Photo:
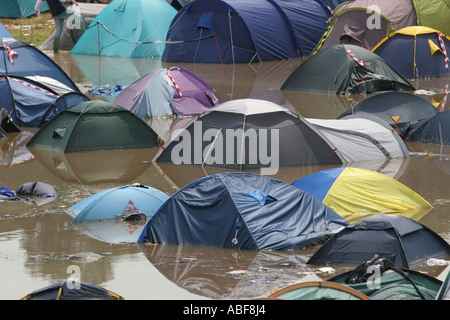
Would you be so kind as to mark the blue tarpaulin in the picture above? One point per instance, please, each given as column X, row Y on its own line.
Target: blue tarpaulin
column 217, row 211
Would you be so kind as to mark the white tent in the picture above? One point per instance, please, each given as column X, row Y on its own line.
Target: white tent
column 360, row 139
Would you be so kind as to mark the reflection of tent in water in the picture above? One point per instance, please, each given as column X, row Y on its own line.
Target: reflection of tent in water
column 127, row 29
column 167, row 92
column 112, row 231
column 7, row 124
column 318, row 290
column 230, row 130
column 416, row 52
column 395, row 108
column 68, row 290
column 401, row 240
column 356, row 193
column 232, row 32
column 241, row 210
column 218, row 273
column 434, row 130
column 394, row 283
column 359, row 139
column 95, row 167
column 346, row 69
column 110, row 204
column 13, row 150
column 94, row 125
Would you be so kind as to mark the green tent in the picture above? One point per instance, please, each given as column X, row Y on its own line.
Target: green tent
column 434, row 14
column 94, row 125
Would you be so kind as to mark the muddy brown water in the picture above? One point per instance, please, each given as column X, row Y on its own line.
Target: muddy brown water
column 40, row 246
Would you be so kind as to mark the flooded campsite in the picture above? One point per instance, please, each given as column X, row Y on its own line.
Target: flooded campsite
column 45, row 240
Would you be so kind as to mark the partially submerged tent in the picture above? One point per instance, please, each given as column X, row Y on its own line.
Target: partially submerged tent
column 110, row 204
column 362, row 138
column 395, row 108
column 224, row 31
column 32, row 102
column 19, row 8
column 243, row 211
column 434, row 130
column 127, row 28
column 357, row 193
column 18, row 58
column 168, row 92
column 390, row 283
column 37, row 193
column 318, row 290
column 7, row 124
column 249, row 134
column 346, row 69
column 72, row 290
column 94, row 125
column 416, row 52
column 402, row 241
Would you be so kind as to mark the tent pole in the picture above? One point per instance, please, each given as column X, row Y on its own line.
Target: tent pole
column 99, row 56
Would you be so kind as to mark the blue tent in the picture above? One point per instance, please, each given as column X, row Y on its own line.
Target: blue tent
column 110, row 204
column 416, row 52
column 128, row 29
column 4, row 33
column 244, row 31
column 243, row 211
column 22, row 59
column 434, row 130
column 19, row 8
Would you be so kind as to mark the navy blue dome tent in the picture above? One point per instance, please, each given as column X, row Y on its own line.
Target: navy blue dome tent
column 32, row 86
column 242, row 211
column 245, row 31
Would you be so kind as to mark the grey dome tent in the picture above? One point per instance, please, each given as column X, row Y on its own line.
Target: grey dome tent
column 248, row 134
column 346, row 69
column 242, row 211
column 395, row 108
column 401, row 240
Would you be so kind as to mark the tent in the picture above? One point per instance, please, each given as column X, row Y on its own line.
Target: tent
column 434, row 14
column 366, row 22
column 416, row 52
column 380, row 280
column 19, row 8
column 224, row 31
column 18, row 58
column 357, row 193
column 362, row 138
column 444, row 291
column 402, row 241
column 346, row 69
column 37, row 192
column 31, row 103
column 72, row 290
column 394, row 107
column 110, row 204
column 167, row 92
column 6, row 123
column 248, row 134
column 318, row 290
column 4, row 33
column 434, row 130
column 128, row 29
column 94, row 125
column 243, row 211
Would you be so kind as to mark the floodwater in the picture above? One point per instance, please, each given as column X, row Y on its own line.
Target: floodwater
column 40, row 246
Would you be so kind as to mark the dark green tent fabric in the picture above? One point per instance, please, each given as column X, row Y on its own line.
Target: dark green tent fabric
column 94, row 125
column 346, row 69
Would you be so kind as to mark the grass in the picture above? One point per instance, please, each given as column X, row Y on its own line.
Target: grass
column 42, row 27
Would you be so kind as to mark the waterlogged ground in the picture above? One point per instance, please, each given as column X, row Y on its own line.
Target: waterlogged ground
column 40, row 246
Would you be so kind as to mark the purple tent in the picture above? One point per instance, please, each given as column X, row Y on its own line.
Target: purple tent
column 167, row 92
